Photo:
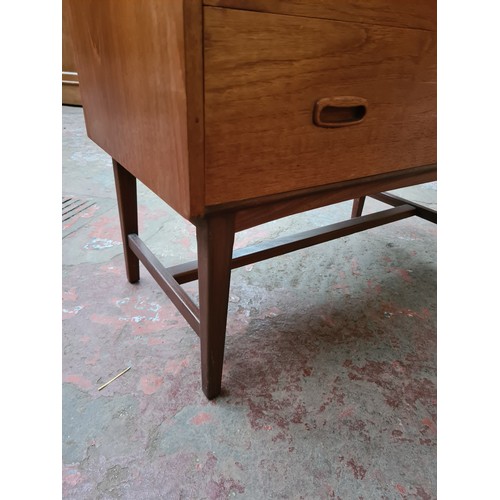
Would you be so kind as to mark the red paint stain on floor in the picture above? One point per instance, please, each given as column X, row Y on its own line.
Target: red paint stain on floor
column 115, row 270
column 70, row 294
column 94, row 359
column 155, row 341
column 430, row 424
column 175, row 366
column 201, row 418
column 404, row 273
column 348, row 412
column 186, row 242
column 224, row 488
column 78, row 380
column 149, row 384
column 355, row 267
column 106, row 228
column 358, row 471
column 374, row 287
column 328, row 320
column 395, row 388
column 401, row 489
column 87, row 214
column 71, row 477
column 101, row 319
column 421, row 493
column 338, row 396
column 249, row 237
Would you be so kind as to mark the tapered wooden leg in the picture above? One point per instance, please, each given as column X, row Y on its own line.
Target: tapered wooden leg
column 215, row 235
column 357, row 207
column 126, row 193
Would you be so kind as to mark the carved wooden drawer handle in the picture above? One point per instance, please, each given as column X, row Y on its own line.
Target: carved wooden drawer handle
column 339, row 111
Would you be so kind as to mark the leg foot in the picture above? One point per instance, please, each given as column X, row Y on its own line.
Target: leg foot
column 215, row 235
column 126, row 193
column 357, row 207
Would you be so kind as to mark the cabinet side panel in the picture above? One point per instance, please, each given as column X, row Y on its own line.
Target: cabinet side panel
column 131, row 64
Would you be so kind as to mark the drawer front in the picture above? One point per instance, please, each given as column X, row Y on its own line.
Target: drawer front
column 402, row 13
column 294, row 103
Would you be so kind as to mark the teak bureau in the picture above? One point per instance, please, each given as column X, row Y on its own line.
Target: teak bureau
column 238, row 112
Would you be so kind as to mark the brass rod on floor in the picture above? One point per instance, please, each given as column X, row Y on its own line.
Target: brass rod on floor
column 114, row 378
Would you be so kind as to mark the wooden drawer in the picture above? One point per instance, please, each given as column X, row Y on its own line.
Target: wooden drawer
column 400, row 13
column 264, row 72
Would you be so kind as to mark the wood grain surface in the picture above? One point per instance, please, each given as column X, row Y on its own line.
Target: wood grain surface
column 265, row 72
column 132, row 58
column 402, row 13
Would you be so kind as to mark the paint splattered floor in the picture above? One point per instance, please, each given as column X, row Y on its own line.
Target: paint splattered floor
column 330, row 366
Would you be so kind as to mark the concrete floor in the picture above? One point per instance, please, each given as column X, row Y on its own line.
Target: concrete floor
column 330, row 367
